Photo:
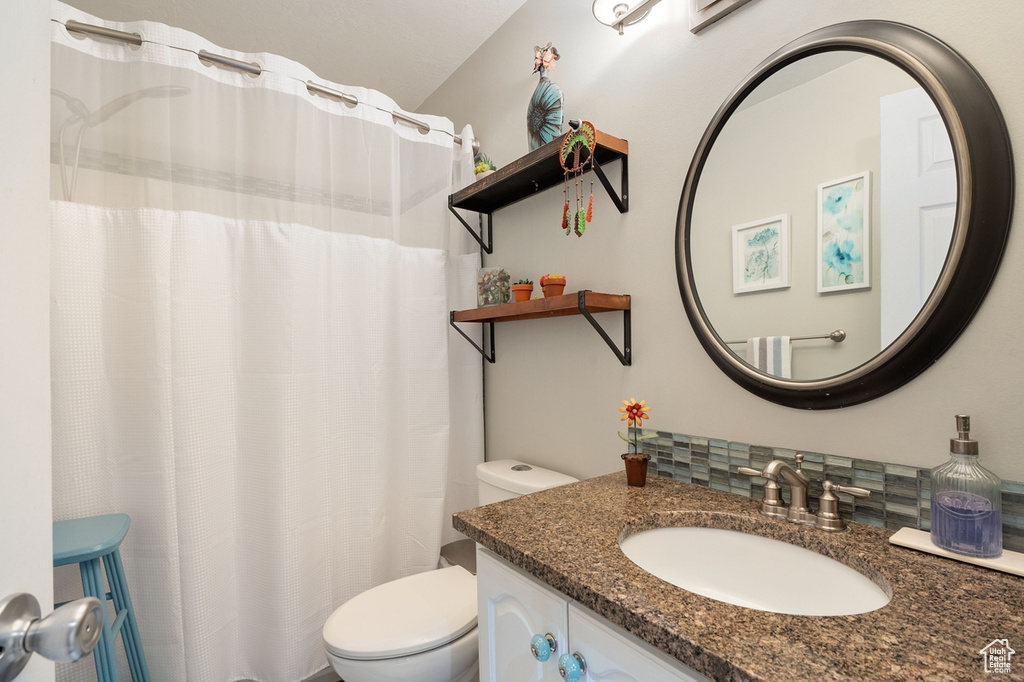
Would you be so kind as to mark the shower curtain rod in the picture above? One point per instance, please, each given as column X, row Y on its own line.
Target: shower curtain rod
column 256, row 70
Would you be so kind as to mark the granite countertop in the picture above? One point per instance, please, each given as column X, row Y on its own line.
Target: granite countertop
column 942, row 612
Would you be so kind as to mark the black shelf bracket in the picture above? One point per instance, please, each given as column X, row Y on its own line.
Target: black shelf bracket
column 488, row 247
column 625, row 356
column 621, row 203
column 489, row 334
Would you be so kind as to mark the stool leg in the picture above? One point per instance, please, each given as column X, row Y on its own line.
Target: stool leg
column 129, row 628
column 92, row 585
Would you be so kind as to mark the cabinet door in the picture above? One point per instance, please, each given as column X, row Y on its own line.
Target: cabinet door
column 513, row 608
column 613, row 655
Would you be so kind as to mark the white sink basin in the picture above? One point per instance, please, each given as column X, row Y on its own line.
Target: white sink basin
column 753, row 571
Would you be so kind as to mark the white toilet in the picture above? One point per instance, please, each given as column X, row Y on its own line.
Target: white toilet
column 423, row 627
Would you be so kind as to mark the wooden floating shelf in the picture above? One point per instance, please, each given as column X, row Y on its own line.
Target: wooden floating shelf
column 584, row 302
column 527, row 175
column 533, row 173
column 555, row 306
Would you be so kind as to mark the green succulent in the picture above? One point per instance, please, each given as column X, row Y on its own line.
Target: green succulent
column 482, row 163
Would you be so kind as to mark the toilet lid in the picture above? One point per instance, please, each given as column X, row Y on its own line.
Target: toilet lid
column 404, row 617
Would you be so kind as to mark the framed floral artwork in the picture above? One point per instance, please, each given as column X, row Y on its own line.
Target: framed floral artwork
column 760, row 255
column 844, row 233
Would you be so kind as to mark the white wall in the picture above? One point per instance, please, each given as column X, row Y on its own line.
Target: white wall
column 552, row 396
column 26, row 554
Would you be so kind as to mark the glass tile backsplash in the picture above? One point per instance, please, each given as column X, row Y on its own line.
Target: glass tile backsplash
column 900, row 495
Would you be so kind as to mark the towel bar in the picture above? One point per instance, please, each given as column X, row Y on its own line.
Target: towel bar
column 838, row 336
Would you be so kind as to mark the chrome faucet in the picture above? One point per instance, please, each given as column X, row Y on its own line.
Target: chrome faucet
column 773, row 505
column 827, row 517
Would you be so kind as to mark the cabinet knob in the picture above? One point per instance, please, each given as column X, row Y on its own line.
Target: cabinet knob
column 542, row 646
column 572, row 666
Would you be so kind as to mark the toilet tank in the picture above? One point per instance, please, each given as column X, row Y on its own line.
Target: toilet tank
column 504, row 479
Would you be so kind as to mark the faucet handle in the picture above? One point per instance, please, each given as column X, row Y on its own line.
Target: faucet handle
column 848, row 489
column 772, row 504
column 828, row 505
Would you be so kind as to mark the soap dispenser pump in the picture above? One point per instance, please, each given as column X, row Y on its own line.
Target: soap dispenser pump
column 966, row 500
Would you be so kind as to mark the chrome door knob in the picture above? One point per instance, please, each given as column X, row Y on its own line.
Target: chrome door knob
column 69, row 633
column 66, row 635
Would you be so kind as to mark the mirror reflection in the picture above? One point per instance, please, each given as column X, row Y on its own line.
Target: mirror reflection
column 827, row 202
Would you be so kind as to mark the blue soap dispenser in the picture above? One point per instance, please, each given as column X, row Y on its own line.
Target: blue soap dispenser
column 966, row 500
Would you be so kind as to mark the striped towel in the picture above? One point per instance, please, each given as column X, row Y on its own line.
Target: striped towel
column 770, row 354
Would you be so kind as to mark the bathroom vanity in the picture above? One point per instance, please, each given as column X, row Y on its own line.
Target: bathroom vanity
column 554, row 556
column 515, row 608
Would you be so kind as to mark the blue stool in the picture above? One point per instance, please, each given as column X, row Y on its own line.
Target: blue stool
column 84, row 542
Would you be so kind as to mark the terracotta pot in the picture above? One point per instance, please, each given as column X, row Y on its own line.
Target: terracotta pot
column 521, row 292
column 553, row 287
column 636, row 468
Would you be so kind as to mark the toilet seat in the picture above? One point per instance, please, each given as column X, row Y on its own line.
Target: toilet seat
column 405, row 616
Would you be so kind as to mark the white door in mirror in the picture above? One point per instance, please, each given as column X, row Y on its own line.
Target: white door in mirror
column 918, row 195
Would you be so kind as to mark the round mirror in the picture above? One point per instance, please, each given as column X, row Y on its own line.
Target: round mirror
column 844, row 215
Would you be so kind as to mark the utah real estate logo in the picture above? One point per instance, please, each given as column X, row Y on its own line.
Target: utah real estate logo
column 997, row 656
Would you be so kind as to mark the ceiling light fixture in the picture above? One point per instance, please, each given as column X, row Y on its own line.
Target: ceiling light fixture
column 620, row 13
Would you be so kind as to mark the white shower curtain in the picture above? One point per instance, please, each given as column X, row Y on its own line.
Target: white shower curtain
column 250, row 347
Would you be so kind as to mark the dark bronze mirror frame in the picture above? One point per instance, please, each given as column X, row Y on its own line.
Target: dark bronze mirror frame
column 985, row 190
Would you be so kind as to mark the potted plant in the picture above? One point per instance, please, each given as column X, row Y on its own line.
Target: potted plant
column 482, row 166
column 522, row 290
column 636, row 462
column 552, row 284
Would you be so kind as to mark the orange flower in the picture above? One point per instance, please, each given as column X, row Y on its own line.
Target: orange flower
column 635, row 412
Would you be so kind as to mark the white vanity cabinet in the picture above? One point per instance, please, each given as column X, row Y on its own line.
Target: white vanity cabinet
column 515, row 606
column 512, row 609
column 614, row 655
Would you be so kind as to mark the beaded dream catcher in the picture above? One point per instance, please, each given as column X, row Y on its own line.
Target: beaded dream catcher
column 576, row 153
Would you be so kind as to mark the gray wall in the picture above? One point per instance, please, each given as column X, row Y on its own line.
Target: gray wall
column 552, row 396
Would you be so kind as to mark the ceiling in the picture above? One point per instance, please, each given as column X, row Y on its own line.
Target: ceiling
column 403, row 48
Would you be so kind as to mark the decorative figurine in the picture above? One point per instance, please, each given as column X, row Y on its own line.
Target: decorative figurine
column 544, row 115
